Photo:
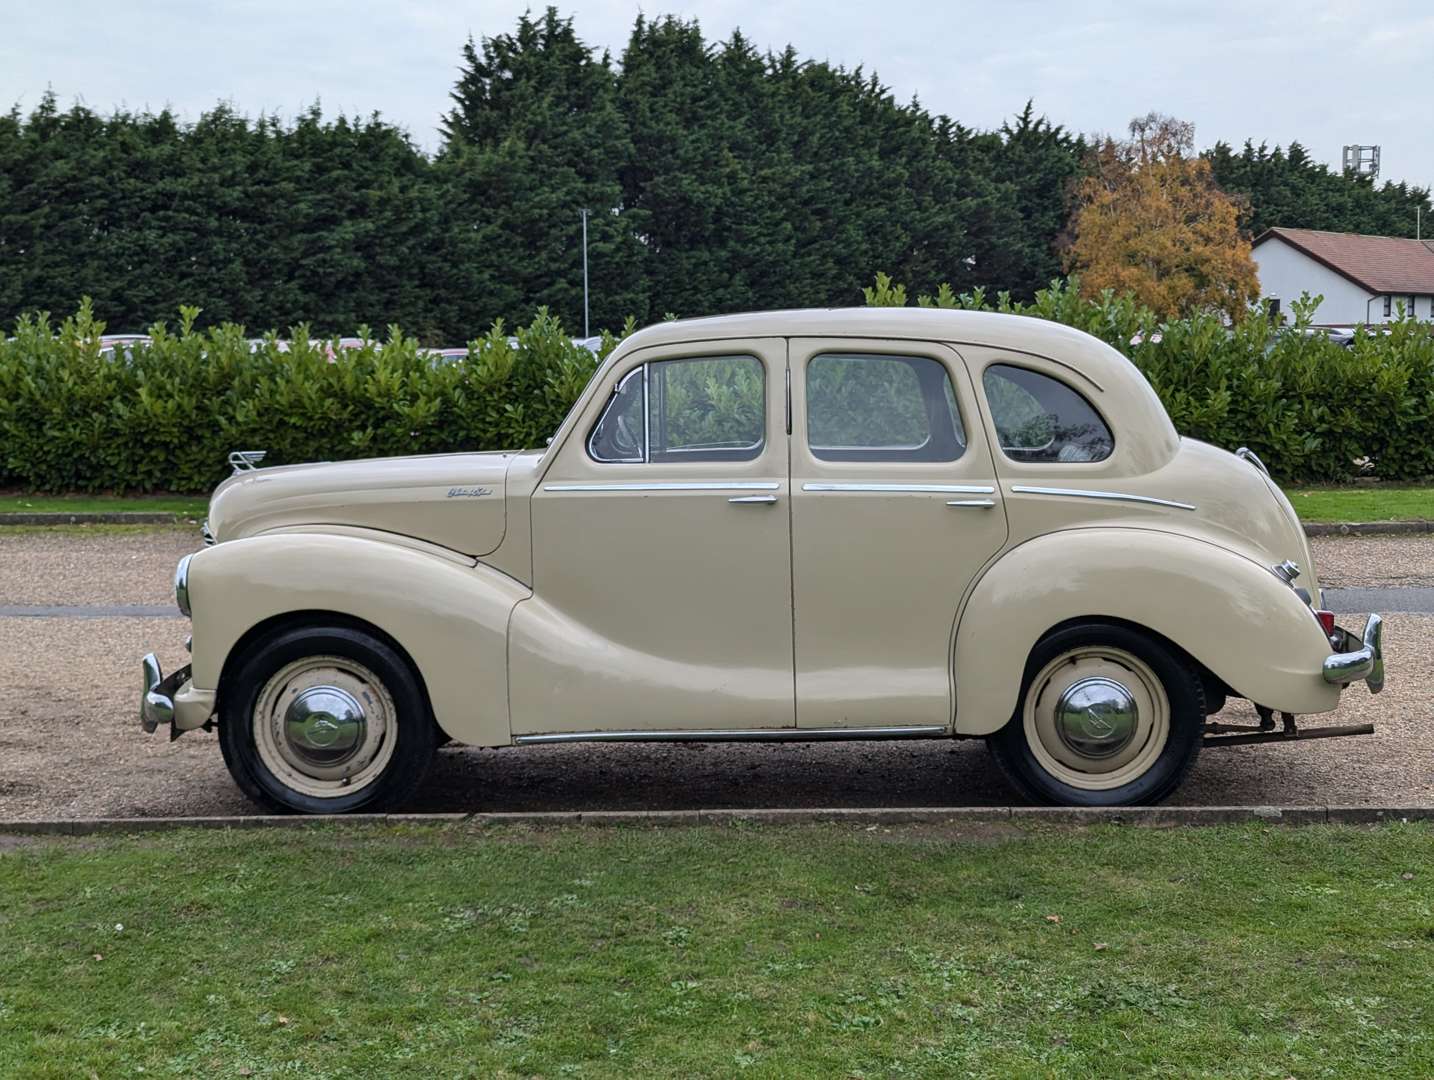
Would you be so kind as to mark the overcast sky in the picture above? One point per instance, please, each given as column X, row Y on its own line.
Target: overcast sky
column 1324, row 73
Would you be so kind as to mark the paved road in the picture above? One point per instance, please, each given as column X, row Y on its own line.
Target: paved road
column 1414, row 600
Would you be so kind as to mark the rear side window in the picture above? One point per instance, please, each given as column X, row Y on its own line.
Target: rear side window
column 881, row 408
column 710, row 408
column 1039, row 418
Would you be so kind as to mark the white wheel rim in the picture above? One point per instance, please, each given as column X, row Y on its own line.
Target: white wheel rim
column 325, row 726
column 1096, row 718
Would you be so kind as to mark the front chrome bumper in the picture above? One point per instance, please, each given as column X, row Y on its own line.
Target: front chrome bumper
column 174, row 700
column 156, row 705
column 1363, row 660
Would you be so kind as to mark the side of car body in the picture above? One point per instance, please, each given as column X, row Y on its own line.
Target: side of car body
column 804, row 524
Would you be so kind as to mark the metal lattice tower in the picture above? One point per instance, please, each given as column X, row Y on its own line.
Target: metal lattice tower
column 1362, row 161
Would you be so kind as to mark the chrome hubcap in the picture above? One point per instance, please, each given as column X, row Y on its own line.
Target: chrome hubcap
column 1096, row 717
column 325, row 725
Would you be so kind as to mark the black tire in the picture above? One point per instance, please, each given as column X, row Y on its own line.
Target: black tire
column 415, row 735
column 1184, row 695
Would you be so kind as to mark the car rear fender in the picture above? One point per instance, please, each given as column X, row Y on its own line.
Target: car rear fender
column 1227, row 611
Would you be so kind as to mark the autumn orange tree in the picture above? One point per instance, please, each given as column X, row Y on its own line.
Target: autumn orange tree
column 1151, row 221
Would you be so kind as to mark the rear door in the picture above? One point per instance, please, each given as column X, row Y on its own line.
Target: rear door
column 895, row 508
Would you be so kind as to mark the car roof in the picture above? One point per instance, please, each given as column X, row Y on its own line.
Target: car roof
column 1020, row 333
column 983, row 327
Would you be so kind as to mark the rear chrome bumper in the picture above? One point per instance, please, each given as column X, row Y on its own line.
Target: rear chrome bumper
column 1364, row 660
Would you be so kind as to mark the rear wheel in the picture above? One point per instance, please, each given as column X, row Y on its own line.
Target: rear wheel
column 325, row 720
column 1108, row 716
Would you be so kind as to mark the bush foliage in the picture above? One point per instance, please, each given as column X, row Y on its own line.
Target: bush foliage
column 164, row 415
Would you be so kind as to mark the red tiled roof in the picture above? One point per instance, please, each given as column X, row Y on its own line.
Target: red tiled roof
column 1381, row 264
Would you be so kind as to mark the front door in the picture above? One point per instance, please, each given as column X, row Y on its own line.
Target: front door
column 895, row 508
column 662, row 590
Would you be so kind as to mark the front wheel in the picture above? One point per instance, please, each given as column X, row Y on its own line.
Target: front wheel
column 325, row 720
column 1108, row 716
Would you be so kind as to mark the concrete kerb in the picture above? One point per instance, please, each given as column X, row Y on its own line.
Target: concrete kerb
column 1062, row 816
column 1368, row 528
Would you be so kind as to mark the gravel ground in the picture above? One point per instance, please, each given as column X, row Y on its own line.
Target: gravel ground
column 1374, row 561
column 70, row 744
column 92, row 564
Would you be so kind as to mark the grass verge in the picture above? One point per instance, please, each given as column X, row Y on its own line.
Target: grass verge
column 192, row 506
column 769, row 952
column 1347, row 505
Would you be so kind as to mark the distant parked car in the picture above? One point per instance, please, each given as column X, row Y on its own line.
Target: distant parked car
column 448, row 355
column 113, row 344
column 855, row 524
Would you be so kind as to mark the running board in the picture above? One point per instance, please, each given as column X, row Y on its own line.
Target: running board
column 791, row 734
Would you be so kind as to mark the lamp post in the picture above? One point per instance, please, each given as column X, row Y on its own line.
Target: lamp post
column 586, row 332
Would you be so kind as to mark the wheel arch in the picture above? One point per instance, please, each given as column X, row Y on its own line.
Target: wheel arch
column 1214, row 686
column 1245, row 631
column 317, row 617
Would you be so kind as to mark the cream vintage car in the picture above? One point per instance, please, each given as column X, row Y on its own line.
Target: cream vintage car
column 843, row 524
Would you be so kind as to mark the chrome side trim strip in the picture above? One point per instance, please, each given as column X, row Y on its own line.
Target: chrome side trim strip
column 676, row 485
column 958, row 489
column 1118, row 496
column 793, row 734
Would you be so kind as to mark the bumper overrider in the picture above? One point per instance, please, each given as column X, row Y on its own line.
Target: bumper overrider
column 174, row 700
column 1362, row 657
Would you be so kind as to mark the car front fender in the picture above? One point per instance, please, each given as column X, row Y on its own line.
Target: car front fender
column 1227, row 611
column 449, row 615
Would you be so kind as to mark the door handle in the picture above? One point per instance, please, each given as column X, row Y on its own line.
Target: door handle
column 753, row 500
column 980, row 504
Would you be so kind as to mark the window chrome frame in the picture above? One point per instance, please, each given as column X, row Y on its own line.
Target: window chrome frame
column 617, row 390
column 1006, row 451
column 887, row 453
column 754, row 450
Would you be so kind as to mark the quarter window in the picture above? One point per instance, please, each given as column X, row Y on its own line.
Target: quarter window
column 1039, row 418
column 710, row 408
column 881, row 408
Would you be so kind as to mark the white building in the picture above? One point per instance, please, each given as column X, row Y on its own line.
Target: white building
column 1363, row 279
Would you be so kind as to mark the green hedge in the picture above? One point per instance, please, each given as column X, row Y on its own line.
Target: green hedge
column 165, row 416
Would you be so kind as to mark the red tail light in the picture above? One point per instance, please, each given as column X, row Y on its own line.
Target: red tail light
column 1326, row 620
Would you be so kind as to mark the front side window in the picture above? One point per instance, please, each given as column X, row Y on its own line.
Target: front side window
column 710, row 408
column 1039, row 418
column 881, row 408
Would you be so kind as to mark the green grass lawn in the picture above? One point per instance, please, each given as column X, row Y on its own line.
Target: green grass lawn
column 1363, row 503
column 828, row 951
column 192, row 506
